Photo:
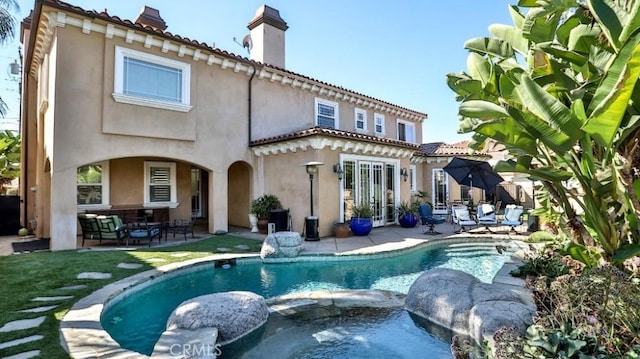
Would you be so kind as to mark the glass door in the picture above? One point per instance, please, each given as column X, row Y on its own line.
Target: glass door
column 196, row 193
column 368, row 180
column 440, row 190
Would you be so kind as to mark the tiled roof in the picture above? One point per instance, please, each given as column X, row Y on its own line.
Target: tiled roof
column 435, row 149
column 313, row 131
column 104, row 15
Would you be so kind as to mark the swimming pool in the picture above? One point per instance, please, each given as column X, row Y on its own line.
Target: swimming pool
column 136, row 319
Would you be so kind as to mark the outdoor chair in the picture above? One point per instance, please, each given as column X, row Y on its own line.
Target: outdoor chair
column 428, row 220
column 139, row 229
column 513, row 217
column 462, row 218
column 182, row 226
column 486, row 216
column 102, row 228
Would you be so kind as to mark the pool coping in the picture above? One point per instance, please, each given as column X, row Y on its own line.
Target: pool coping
column 82, row 334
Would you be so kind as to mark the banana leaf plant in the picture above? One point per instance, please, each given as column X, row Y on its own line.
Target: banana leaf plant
column 559, row 89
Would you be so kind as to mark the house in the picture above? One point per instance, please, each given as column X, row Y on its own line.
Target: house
column 124, row 114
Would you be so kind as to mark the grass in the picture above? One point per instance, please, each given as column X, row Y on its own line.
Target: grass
column 27, row 276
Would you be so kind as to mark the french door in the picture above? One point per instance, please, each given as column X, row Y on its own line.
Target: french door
column 440, row 190
column 370, row 181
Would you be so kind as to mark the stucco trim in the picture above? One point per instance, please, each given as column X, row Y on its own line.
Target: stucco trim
column 131, row 100
column 342, row 145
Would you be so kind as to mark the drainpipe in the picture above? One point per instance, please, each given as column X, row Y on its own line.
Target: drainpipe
column 249, row 103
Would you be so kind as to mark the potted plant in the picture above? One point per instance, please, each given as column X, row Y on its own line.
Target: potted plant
column 407, row 214
column 341, row 230
column 261, row 207
column 361, row 219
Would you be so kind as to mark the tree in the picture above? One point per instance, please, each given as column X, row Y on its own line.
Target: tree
column 9, row 159
column 560, row 90
column 7, row 32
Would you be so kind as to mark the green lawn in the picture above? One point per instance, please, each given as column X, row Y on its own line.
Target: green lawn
column 26, row 276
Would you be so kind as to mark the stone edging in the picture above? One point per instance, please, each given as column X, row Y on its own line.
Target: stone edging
column 82, row 334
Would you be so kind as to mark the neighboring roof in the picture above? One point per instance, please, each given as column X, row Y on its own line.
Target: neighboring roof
column 104, row 15
column 441, row 149
column 313, row 131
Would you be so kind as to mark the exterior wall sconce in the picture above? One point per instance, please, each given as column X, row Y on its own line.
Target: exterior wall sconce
column 404, row 173
column 338, row 171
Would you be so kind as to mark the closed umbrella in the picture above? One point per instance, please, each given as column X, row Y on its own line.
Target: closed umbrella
column 478, row 174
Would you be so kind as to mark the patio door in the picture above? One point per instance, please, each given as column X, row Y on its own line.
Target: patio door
column 440, row 190
column 196, row 192
column 372, row 188
column 370, row 181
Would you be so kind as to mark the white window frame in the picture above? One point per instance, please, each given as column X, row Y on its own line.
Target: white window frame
column 378, row 120
column 408, row 126
column 173, row 203
column 359, row 111
column 105, row 189
column 336, row 122
column 413, row 178
column 118, row 79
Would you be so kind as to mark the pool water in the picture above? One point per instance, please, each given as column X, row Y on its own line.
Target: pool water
column 358, row 333
column 137, row 320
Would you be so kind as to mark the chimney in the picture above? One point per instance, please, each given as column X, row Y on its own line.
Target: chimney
column 151, row 17
column 267, row 37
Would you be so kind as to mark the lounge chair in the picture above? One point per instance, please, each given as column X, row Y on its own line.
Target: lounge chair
column 486, row 216
column 102, row 228
column 428, row 220
column 512, row 217
column 462, row 218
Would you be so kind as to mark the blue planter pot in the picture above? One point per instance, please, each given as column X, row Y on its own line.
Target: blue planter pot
column 361, row 226
column 408, row 220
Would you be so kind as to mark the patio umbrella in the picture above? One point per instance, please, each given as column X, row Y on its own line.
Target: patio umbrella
column 473, row 173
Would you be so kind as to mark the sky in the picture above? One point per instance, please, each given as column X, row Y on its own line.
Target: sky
column 398, row 51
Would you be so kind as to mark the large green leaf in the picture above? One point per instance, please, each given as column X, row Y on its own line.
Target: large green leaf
column 479, row 68
column 625, row 252
column 507, row 132
column 548, row 108
column 618, row 21
column 538, row 26
column 582, row 254
column 485, row 45
column 516, row 16
column 582, row 37
column 511, row 35
column 611, row 100
column 564, row 54
column 564, row 30
column 537, row 128
column 482, row 110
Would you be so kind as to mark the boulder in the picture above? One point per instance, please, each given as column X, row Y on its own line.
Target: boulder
column 212, row 320
column 460, row 302
column 281, row 245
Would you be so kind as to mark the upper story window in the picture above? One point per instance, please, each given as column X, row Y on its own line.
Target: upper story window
column 361, row 119
column 160, row 184
column 378, row 119
column 326, row 113
column 93, row 185
column 406, row 131
column 149, row 80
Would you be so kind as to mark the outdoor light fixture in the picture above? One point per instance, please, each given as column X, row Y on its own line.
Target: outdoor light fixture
column 338, row 170
column 404, row 174
column 311, row 222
